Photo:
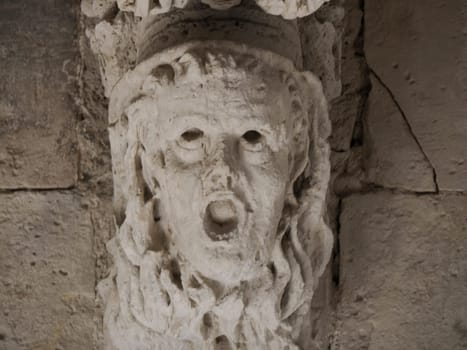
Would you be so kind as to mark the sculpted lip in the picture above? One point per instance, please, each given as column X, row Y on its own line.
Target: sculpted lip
column 222, row 218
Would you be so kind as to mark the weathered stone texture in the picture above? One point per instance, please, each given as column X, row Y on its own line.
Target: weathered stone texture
column 288, row 9
column 321, row 38
column 417, row 48
column 95, row 172
column 38, row 62
column 47, row 275
column 343, row 83
column 394, row 159
column 345, row 110
column 403, row 272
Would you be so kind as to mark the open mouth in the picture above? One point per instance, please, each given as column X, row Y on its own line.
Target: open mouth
column 221, row 220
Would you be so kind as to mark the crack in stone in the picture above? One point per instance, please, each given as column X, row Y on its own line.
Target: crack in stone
column 336, row 263
column 409, row 126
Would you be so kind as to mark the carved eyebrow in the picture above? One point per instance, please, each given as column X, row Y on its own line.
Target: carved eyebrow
column 190, row 118
column 138, row 102
column 253, row 122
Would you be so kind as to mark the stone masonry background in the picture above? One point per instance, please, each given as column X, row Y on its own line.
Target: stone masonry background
column 398, row 204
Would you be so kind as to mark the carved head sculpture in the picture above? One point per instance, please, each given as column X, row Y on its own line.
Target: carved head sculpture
column 221, row 167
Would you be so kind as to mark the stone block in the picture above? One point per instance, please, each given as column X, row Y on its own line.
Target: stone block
column 38, row 60
column 47, row 276
column 395, row 160
column 403, row 273
column 418, row 49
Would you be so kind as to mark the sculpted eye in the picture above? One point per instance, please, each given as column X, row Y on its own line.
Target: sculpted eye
column 191, row 139
column 252, row 141
column 252, row 136
column 192, row 135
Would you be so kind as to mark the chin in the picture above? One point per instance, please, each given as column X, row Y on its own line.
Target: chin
column 225, row 260
column 230, row 270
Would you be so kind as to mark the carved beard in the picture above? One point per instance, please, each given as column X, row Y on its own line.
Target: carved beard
column 155, row 300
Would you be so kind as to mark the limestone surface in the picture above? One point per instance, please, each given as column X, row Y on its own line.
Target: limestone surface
column 321, row 41
column 394, row 159
column 417, row 48
column 47, row 275
column 38, row 60
column 403, row 272
column 346, row 110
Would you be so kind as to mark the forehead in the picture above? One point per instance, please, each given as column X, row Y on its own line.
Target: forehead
column 227, row 100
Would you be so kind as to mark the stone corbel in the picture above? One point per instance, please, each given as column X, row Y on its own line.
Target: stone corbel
column 221, row 166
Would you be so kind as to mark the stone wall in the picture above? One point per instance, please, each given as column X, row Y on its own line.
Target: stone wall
column 398, row 203
column 55, row 180
column 403, row 247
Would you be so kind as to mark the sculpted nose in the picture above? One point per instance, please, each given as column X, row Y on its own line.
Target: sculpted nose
column 221, row 175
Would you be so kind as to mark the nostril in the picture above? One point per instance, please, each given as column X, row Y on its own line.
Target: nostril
column 221, row 175
column 217, row 177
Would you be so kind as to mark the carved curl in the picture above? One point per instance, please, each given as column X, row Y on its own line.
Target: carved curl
column 288, row 9
column 156, row 296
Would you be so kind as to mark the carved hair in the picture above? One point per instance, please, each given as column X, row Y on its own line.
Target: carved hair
column 154, row 300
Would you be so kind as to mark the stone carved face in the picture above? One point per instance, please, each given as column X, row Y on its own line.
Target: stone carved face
column 222, row 165
column 226, row 150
